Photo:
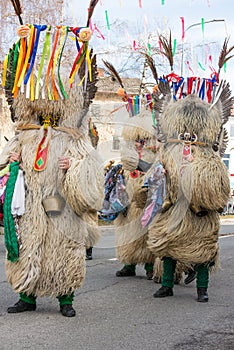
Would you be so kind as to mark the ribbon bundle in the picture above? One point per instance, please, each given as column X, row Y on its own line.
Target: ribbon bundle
column 134, row 105
column 181, row 87
column 35, row 60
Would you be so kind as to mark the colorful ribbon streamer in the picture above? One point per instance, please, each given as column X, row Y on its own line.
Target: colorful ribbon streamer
column 203, row 26
column 200, row 65
column 107, row 20
column 174, row 48
column 183, row 32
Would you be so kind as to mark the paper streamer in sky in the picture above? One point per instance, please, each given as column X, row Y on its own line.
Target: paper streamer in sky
column 174, row 48
column 149, row 49
column 182, row 22
column 163, row 2
column 100, row 35
column 107, row 20
column 203, row 26
column 200, row 65
column 225, row 67
column 140, row 4
column 189, row 67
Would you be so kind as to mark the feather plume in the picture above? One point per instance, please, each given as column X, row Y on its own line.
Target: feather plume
column 162, row 97
column 223, row 100
column 150, row 62
column 10, row 77
column 18, row 9
column 113, row 72
column 91, row 8
column 91, row 88
column 223, row 57
column 167, row 48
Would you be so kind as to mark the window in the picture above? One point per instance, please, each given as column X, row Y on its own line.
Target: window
column 116, row 143
column 232, row 131
column 226, row 159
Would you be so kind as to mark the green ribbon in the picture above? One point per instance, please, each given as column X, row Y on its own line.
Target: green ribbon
column 10, row 237
column 203, row 26
column 174, row 48
column 15, row 60
column 45, row 54
column 59, row 63
column 225, row 67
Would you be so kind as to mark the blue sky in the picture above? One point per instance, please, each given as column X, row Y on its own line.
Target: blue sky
column 128, row 22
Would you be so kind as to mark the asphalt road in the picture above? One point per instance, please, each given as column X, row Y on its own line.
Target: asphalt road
column 120, row 313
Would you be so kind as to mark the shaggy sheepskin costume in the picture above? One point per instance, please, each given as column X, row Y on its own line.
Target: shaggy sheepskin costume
column 197, row 182
column 131, row 238
column 51, row 259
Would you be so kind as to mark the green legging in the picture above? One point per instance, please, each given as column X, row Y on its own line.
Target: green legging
column 148, row 267
column 169, row 266
column 63, row 299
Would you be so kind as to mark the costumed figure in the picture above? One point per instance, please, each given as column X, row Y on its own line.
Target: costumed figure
column 55, row 184
column 92, row 238
column 136, row 158
column 190, row 125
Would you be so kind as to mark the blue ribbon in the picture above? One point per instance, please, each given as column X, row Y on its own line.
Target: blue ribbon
column 33, row 56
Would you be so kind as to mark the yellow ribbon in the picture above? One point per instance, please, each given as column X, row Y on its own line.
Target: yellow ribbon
column 89, row 63
column 45, row 55
column 58, row 52
column 74, row 72
column 27, row 56
column 19, row 65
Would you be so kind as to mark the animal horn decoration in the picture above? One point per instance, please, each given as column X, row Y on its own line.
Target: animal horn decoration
column 18, row 9
column 91, row 8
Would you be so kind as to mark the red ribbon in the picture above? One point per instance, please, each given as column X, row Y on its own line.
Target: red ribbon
column 183, row 33
column 41, row 157
column 172, row 77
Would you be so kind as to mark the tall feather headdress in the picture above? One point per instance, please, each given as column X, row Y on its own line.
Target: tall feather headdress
column 91, row 8
column 113, row 72
column 150, row 62
column 18, row 9
column 167, row 48
column 223, row 57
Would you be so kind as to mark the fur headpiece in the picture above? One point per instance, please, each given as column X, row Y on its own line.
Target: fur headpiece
column 208, row 98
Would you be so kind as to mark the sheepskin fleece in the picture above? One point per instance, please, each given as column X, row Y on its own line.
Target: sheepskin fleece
column 131, row 238
column 202, row 182
column 138, row 126
column 191, row 241
column 52, row 257
column 94, row 233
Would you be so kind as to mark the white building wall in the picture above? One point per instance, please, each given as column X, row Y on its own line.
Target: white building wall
column 229, row 153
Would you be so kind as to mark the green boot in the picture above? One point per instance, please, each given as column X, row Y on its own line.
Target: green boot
column 65, row 302
column 169, row 266
column 127, row 270
column 25, row 303
column 202, row 282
